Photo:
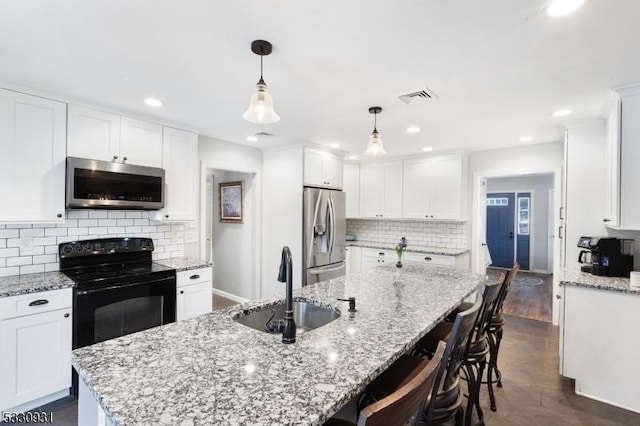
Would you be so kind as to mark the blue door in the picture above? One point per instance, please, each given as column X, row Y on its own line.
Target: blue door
column 500, row 227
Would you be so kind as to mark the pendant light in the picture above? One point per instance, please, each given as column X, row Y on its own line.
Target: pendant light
column 261, row 105
column 375, row 147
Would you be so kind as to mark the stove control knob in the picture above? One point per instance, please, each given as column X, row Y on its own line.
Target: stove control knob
column 138, row 243
column 67, row 249
column 87, row 246
column 148, row 244
column 78, row 248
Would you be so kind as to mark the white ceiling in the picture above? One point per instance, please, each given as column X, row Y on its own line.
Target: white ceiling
column 499, row 67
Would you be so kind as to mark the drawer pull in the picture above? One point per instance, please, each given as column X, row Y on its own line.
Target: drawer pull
column 194, row 277
column 381, row 254
column 39, row 302
column 428, row 259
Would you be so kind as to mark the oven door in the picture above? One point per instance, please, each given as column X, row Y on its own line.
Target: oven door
column 112, row 311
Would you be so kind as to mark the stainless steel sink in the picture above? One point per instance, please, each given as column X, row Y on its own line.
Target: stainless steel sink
column 307, row 315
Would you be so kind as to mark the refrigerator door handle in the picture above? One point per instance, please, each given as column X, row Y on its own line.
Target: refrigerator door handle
column 322, row 271
column 332, row 228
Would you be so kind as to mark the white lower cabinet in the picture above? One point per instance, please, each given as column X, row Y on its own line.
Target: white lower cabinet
column 375, row 257
column 35, row 349
column 433, row 259
column 193, row 293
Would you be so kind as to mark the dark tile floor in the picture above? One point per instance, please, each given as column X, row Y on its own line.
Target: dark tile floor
column 534, row 394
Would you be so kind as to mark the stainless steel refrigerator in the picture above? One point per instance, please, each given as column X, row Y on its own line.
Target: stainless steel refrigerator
column 325, row 228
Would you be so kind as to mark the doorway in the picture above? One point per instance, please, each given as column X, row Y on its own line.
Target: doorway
column 518, row 212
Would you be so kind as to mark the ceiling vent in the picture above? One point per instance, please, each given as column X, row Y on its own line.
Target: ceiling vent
column 264, row 135
column 424, row 94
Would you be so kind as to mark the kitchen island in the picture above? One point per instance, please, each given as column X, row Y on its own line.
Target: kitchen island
column 213, row 370
column 599, row 338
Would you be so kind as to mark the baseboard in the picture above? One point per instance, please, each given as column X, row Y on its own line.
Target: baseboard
column 541, row 271
column 229, row 296
column 36, row 402
column 603, row 400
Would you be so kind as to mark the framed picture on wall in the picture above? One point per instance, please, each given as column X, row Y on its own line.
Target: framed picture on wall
column 231, row 201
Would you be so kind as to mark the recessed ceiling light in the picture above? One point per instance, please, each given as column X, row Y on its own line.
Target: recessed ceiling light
column 526, row 139
column 413, row 129
column 252, row 138
column 353, row 157
column 562, row 113
column 427, row 149
column 563, row 7
column 335, row 145
column 153, row 102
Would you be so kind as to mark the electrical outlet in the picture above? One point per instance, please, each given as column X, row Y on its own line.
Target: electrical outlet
column 26, row 245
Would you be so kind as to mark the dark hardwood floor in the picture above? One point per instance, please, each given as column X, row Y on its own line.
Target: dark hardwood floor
column 530, row 296
column 220, row 302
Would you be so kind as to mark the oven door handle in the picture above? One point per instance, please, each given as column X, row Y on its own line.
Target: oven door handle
column 113, row 287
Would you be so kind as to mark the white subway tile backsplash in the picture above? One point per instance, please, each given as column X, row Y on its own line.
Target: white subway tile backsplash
column 31, row 269
column 55, row 232
column 18, row 226
column 98, row 214
column 9, row 233
column 82, row 225
column 426, row 234
column 32, row 232
column 77, row 214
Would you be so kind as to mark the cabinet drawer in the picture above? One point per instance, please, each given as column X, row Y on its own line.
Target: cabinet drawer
column 33, row 303
column 194, row 276
column 378, row 253
column 436, row 259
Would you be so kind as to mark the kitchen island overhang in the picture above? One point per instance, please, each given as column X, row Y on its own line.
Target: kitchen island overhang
column 213, row 370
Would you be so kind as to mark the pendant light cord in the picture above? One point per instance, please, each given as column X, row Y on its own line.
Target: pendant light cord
column 375, row 122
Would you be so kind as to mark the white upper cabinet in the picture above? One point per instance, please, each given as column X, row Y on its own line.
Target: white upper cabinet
column 104, row 136
column 433, row 188
column 180, row 161
column 141, row 142
column 381, row 190
column 322, row 168
column 612, row 168
column 93, row 134
column 32, row 164
column 352, row 189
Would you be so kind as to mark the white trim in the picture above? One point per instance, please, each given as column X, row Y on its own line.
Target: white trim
column 229, row 296
column 606, row 401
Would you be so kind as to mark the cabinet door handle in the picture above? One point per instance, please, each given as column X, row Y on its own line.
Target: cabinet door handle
column 115, row 157
column 39, row 302
column 66, row 315
column 558, row 296
column 194, row 277
column 181, row 291
column 166, row 215
column 560, row 231
column 562, row 213
column 59, row 215
column 124, row 159
column 428, row 259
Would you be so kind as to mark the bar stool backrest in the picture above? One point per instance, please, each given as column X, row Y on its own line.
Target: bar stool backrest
column 490, row 299
column 406, row 402
column 511, row 274
column 454, row 353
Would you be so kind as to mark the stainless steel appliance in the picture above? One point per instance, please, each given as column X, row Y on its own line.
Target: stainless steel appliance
column 118, row 291
column 324, row 232
column 104, row 184
column 606, row 256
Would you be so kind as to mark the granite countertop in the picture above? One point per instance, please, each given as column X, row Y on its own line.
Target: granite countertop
column 415, row 249
column 580, row 279
column 33, row 283
column 184, row 263
column 212, row 370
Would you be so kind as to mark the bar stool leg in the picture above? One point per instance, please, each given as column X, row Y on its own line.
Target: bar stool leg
column 493, row 353
column 498, row 373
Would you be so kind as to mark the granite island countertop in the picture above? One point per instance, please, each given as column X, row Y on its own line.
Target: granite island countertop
column 212, row 370
column 577, row 278
column 411, row 248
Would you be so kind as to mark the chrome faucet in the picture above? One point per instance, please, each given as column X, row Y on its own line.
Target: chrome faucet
column 285, row 274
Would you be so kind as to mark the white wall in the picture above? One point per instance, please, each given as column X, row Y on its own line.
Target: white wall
column 281, row 216
column 540, row 186
column 234, row 272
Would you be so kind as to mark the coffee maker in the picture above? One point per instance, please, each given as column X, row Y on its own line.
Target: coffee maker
column 606, row 256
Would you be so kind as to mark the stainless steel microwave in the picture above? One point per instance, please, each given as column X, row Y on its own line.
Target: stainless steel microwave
column 103, row 184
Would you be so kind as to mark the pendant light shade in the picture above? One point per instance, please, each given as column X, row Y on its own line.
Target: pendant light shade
column 261, row 105
column 375, row 148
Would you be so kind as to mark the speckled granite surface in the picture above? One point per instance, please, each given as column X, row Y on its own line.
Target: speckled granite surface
column 212, row 370
column 411, row 248
column 581, row 279
column 32, row 283
column 184, row 263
